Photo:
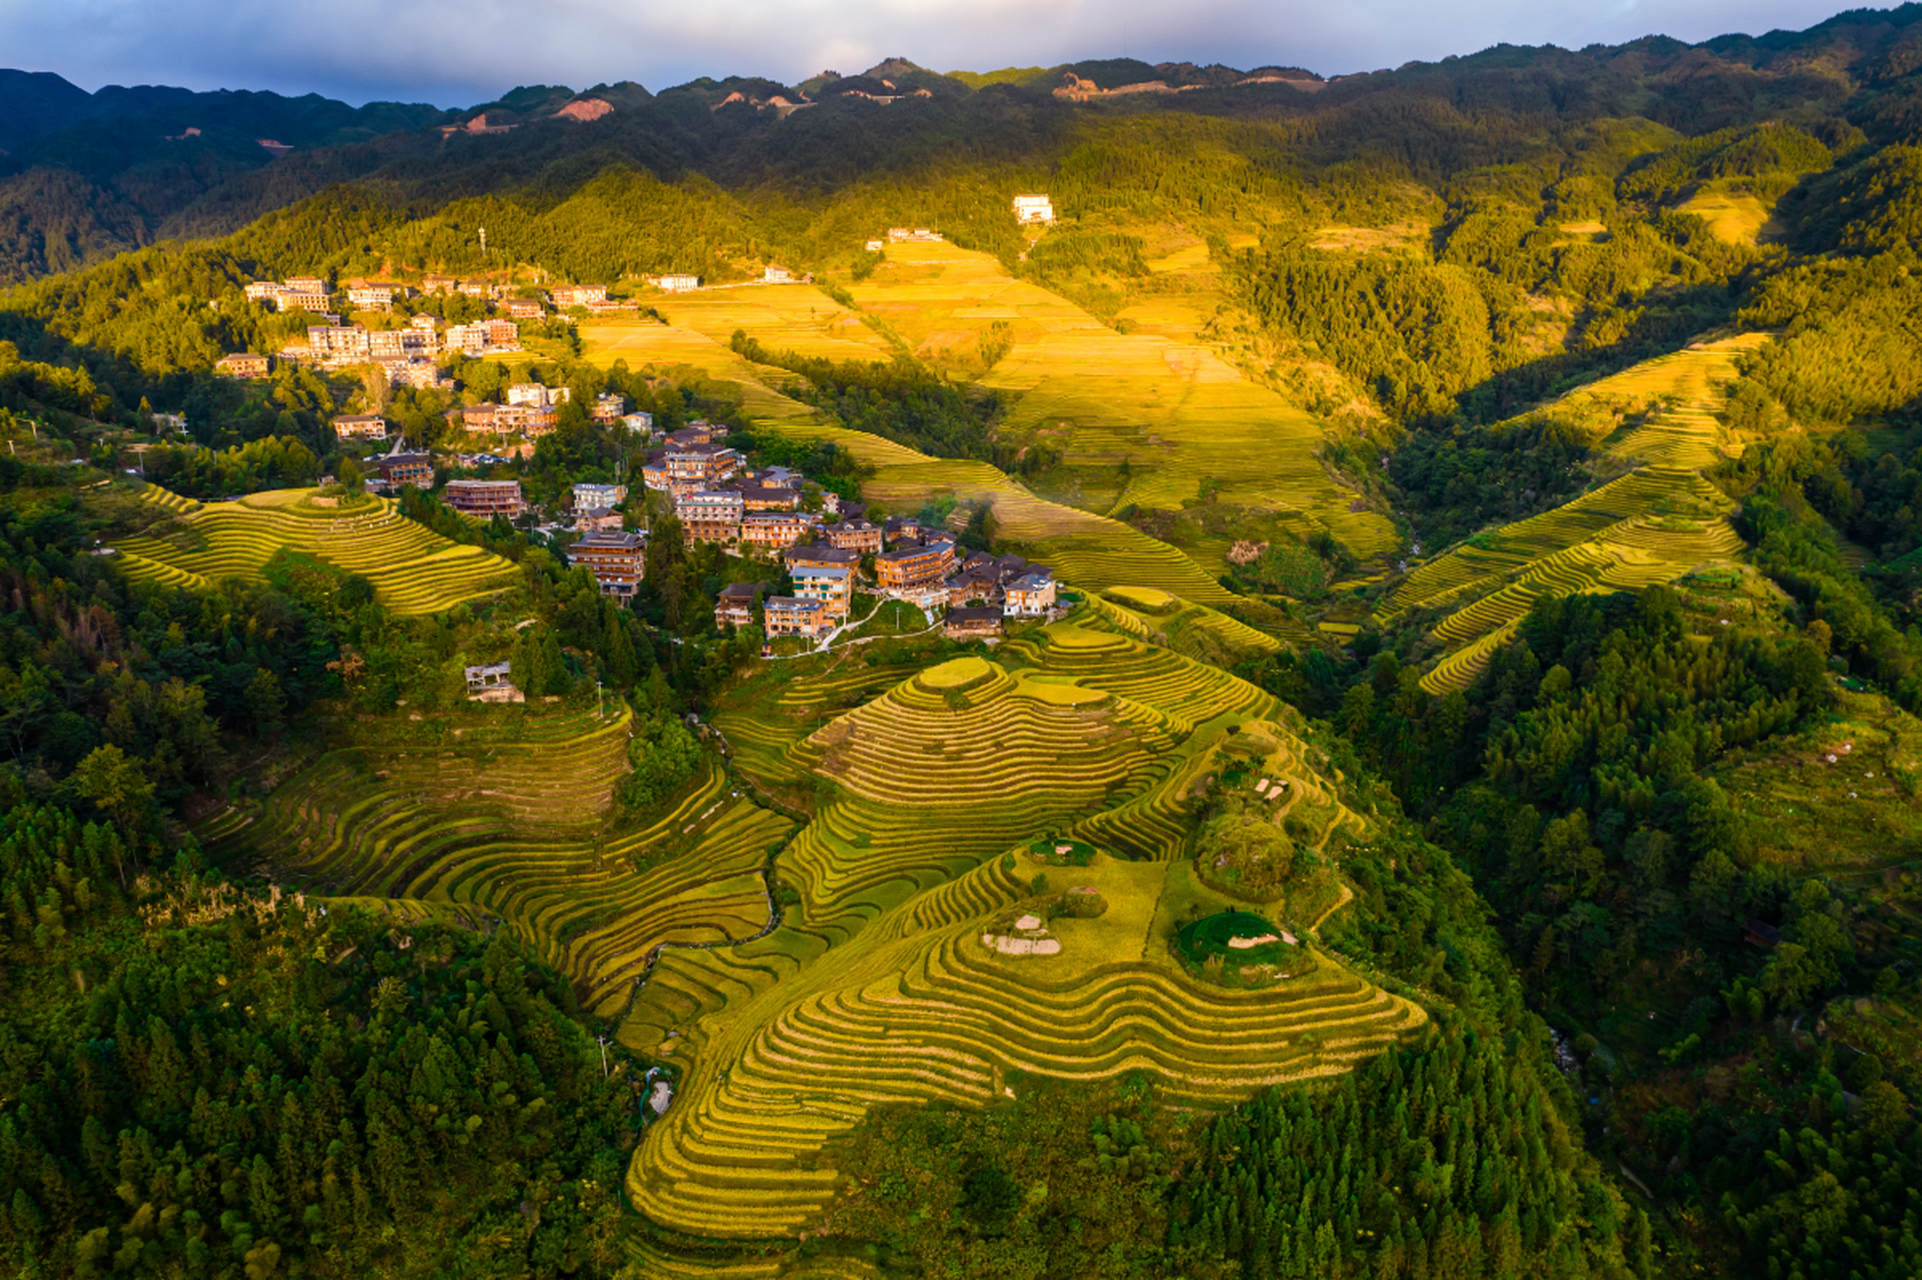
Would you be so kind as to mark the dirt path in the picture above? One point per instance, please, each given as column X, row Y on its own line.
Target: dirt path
column 1347, row 896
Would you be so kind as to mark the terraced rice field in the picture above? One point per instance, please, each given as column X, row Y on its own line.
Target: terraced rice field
column 1079, row 546
column 1653, row 525
column 916, row 1009
column 1169, row 406
column 878, row 987
column 526, row 847
column 1673, row 401
column 1197, row 631
column 413, row 569
column 795, row 317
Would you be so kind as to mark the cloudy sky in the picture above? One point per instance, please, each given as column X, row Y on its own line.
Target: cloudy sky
column 459, row 52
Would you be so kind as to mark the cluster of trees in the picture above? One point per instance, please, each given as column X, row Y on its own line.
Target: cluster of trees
column 55, row 386
column 1793, row 483
column 1850, row 337
column 1460, row 336
column 1449, row 1161
column 1299, row 571
column 1765, row 158
column 1456, row 483
column 1574, row 781
column 1569, row 779
column 91, row 663
column 213, row 1077
column 271, row 462
column 898, row 400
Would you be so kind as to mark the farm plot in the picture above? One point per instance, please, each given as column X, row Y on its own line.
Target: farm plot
column 1651, row 526
column 879, row 986
column 917, row 1008
column 413, row 569
column 1194, row 630
column 1484, row 561
column 1081, row 547
column 530, row 851
column 793, row 317
column 555, row 770
column 1170, row 407
column 1665, row 411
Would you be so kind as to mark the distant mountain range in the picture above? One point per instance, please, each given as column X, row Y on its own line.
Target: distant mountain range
column 86, row 175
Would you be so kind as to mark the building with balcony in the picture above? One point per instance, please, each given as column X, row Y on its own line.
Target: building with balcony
column 709, row 515
column 617, row 560
column 856, row 535
column 776, row 529
column 913, row 568
column 484, row 498
column 241, row 365
column 416, row 469
column 736, row 604
column 1030, row 596
column 599, row 495
column 791, row 616
column 832, row 586
column 1034, row 210
column 972, row 624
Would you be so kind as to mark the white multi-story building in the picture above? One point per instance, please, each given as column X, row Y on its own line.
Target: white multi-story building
column 589, row 496
column 334, row 344
column 1034, row 209
column 533, row 393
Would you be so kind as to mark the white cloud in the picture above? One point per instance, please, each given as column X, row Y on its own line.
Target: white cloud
column 456, row 52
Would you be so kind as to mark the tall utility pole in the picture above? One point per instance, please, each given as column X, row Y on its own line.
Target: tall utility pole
column 483, row 234
column 603, row 1040
column 600, row 708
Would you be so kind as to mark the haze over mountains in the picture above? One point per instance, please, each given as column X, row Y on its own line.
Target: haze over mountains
column 89, row 175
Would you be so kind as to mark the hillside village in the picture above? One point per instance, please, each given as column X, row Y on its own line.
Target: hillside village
column 828, row 554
